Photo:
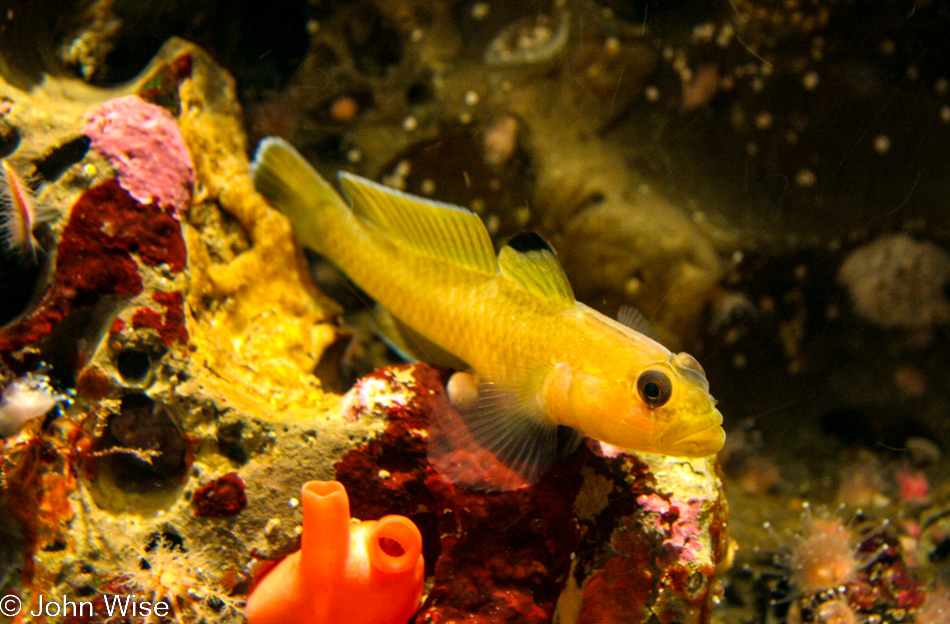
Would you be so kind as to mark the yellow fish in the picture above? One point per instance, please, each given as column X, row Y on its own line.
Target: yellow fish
column 541, row 359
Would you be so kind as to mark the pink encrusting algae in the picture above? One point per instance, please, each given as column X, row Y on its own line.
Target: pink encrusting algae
column 913, row 485
column 145, row 145
column 682, row 518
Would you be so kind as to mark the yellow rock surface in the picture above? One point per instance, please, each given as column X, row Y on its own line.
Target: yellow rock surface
column 256, row 321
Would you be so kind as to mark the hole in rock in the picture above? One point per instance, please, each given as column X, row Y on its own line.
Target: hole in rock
column 145, row 425
column 133, row 365
column 142, row 458
column 230, row 442
column 59, row 159
column 9, row 139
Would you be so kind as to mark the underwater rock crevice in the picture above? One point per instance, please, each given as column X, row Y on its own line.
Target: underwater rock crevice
column 55, row 162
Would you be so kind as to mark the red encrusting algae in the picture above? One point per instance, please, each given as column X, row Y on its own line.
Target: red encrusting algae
column 171, row 325
column 106, row 229
column 509, row 556
column 504, row 556
column 221, row 497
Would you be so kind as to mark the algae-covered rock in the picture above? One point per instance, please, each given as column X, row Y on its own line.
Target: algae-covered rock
column 179, row 306
column 179, row 310
column 653, row 541
column 602, row 537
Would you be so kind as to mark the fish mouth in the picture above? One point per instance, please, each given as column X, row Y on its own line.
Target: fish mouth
column 692, row 440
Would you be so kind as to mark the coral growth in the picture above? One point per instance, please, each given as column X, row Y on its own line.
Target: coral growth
column 836, row 611
column 826, row 555
column 843, row 574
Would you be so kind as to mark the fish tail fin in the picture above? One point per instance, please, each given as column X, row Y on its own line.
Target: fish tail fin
column 295, row 188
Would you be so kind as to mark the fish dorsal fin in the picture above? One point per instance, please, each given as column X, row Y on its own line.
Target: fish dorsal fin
column 634, row 319
column 435, row 229
column 528, row 261
column 410, row 344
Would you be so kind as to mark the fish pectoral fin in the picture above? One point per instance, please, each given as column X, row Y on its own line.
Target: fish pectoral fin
column 434, row 229
column 495, row 437
column 634, row 319
column 529, row 261
column 410, row 344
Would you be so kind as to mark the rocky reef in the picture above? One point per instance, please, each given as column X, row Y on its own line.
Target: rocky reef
column 168, row 285
column 175, row 310
column 765, row 181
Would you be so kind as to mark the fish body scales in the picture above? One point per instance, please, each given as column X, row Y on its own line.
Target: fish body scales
column 470, row 315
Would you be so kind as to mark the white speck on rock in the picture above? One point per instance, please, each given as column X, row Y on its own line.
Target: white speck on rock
column 26, row 398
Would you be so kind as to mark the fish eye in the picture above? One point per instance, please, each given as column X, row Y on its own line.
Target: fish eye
column 655, row 387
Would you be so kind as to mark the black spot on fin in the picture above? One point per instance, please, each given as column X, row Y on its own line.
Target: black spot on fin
column 530, row 263
column 529, row 241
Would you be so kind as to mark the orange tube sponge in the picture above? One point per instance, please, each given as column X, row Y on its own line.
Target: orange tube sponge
column 366, row 573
